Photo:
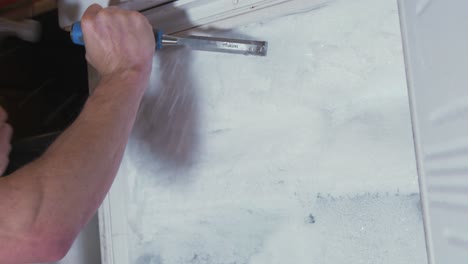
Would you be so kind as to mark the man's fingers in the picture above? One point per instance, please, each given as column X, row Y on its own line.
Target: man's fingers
column 91, row 12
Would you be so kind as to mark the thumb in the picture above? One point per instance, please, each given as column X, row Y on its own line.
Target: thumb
column 91, row 12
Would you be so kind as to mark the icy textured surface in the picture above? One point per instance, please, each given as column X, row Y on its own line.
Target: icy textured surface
column 230, row 153
column 367, row 228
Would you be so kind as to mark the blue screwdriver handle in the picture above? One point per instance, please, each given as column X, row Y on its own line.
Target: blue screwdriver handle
column 76, row 35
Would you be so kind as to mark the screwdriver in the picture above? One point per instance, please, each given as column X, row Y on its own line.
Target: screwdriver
column 225, row 45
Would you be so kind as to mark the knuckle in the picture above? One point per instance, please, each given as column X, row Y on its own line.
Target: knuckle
column 135, row 14
column 112, row 10
column 86, row 22
column 104, row 13
column 95, row 5
column 91, row 11
column 137, row 17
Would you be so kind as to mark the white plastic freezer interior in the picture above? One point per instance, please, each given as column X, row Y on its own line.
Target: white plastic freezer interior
column 302, row 156
column 435, row 41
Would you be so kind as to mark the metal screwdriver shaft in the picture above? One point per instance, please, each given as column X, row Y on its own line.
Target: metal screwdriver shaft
column 225, row 45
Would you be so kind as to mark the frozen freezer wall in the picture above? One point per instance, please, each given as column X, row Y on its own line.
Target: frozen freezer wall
column 436, row 42
column 305, row 155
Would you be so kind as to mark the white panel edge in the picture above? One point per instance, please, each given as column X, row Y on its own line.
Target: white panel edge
column 415, row 132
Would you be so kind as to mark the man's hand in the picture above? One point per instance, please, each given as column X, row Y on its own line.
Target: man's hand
column 50, row 200
column 118, row 42
column 5, row 137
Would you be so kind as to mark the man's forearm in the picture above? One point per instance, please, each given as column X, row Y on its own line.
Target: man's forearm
column 80, row 165
column 90, row 151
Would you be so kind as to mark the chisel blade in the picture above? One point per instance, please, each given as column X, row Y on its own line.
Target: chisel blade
column 214, row 44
